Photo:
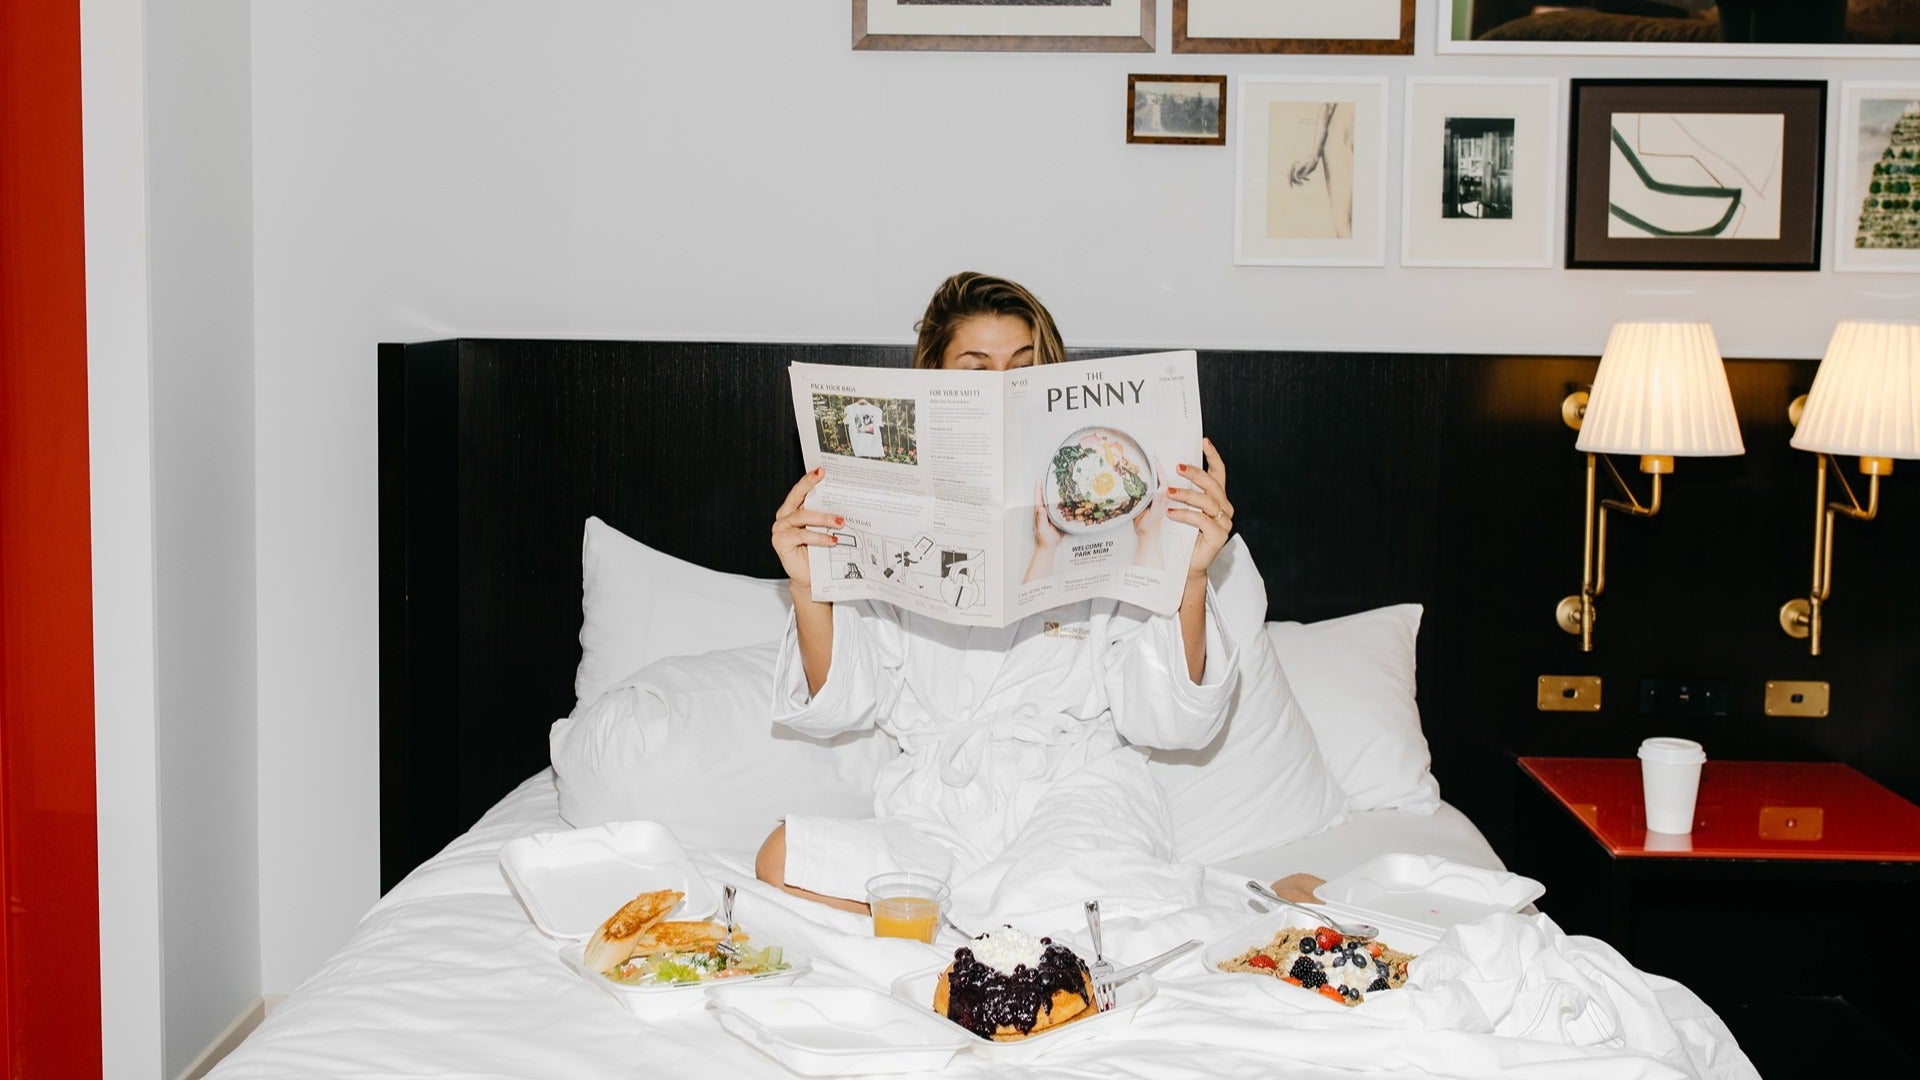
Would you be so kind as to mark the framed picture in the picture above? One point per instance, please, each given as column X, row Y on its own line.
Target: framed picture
column 1309, row 158
column 1855, row 29
column 1005, row 25
column 1695, row 174
column 1293, row 26
column 1172, row 109
column 1482, row 185
column 1877, row 221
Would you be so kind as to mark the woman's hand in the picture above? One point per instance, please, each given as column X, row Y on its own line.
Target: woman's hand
column 792, row 537
column 1147, row 552
column 1046, row 537
column 1205, row 507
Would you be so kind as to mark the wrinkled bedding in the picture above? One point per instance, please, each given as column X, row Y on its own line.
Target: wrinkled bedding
column 446, row 977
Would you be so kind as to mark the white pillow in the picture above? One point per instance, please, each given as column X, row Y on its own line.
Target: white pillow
column 692, row 739
column 638, row 605
column 1354, row 676
column 1261, row 782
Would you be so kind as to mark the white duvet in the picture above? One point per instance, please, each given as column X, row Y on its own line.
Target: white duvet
column 446, row 977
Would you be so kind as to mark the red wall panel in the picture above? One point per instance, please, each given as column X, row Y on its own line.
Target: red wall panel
column 49, row 978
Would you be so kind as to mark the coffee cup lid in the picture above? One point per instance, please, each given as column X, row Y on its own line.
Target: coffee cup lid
column 1672, row 751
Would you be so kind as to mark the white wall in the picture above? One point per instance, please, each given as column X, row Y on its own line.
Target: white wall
column 735, row 171
column 199, row 183
column 120, row 467
column 170, row 354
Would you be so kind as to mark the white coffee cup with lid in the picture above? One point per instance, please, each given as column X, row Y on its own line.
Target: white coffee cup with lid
column 1670, row 782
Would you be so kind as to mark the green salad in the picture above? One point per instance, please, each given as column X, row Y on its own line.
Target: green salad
column 686, row 968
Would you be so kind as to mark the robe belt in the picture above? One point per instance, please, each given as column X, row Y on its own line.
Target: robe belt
column 962, row 746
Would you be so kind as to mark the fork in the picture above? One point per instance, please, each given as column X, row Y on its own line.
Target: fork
column 726, row 947
column 1101, row 969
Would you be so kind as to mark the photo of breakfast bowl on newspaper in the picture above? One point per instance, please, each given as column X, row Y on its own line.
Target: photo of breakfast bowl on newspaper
column 1097, row 477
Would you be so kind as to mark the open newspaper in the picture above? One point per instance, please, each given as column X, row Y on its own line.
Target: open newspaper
column 981, row 497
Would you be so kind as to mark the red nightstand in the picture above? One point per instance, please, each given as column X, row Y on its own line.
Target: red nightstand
column 1785, row 859
column 1746, row 810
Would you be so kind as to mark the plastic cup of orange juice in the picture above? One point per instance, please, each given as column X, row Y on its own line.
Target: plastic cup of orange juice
column 907, row 905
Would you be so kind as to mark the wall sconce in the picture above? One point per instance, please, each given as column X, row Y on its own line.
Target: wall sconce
column 1661, row 392
column 1865, row 403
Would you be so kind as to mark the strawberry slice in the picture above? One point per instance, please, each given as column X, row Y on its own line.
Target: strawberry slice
column 1326, row 937
column 1263, row 962
column 1329, row 992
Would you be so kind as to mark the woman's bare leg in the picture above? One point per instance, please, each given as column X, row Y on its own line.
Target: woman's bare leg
column 770, row 866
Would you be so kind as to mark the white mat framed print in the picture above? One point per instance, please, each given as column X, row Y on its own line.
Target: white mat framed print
column 1310, row 172
column 1482, row 176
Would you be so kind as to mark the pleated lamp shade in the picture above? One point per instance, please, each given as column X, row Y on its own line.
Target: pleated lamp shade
column 1865, row 400
column 1661, row 390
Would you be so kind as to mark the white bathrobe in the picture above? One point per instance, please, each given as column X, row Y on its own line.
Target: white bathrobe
column 1019, row 779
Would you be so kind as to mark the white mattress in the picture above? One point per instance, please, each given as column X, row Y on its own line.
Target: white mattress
column 446, row 977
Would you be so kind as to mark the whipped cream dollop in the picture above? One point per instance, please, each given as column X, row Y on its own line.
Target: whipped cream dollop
column 1008, row 948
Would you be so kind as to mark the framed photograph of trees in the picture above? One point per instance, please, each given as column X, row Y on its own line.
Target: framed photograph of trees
column 1177, row 109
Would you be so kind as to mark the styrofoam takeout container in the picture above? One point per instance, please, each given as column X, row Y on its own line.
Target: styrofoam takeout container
column 572, row 881
column 1394, row 934
column 1428, row 891
column 917, row 990
column 658, row 1002
column 836, row 1030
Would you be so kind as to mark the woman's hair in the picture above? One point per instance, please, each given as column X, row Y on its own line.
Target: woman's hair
column 967, row 295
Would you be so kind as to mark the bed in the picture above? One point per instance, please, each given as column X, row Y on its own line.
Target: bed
column 496, row 455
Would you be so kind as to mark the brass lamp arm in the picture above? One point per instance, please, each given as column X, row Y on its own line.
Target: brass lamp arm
column 1575, row 613
column 1632, row 505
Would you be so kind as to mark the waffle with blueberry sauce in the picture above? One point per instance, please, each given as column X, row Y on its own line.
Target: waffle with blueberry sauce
column 1007, row 985
column 1323, row 961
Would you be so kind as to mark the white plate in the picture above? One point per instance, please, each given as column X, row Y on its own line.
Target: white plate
column 1400, row 936
column 836, row 1030
column 572, row 881
column 917, row 989
column 1429, row 890
column 654, row 1002
column 1134, row 455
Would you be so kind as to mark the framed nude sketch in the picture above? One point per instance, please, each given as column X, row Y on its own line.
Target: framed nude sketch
column 1309, row 165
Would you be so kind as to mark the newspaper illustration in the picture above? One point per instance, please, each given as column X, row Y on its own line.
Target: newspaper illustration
column 982, row 497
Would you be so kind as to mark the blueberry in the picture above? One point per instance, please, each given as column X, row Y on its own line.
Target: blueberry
column 1308, row 947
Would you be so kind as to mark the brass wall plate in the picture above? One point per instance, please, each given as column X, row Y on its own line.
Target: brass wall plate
column 1802, row 823
column 1569, row 693
column 1786, row 698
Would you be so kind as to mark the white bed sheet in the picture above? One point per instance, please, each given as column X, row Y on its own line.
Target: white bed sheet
column 446, row 977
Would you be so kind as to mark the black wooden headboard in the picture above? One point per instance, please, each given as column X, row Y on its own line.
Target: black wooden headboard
column 1359, row 480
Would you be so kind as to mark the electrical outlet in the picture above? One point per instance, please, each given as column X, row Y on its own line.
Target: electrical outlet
column 1683, row 697
column 1786, row 698
column 1568, row 693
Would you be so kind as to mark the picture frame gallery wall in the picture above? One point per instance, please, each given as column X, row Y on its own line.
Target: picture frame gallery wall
column 1500, row 170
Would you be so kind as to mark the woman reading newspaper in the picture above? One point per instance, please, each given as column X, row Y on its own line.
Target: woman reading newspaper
column 1018, row 781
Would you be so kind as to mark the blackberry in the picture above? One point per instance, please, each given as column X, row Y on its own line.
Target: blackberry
column 1377, row 984
column 1304, row 967
column 1312, row 979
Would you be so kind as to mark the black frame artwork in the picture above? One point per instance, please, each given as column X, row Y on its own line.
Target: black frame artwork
column 1593, row 142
